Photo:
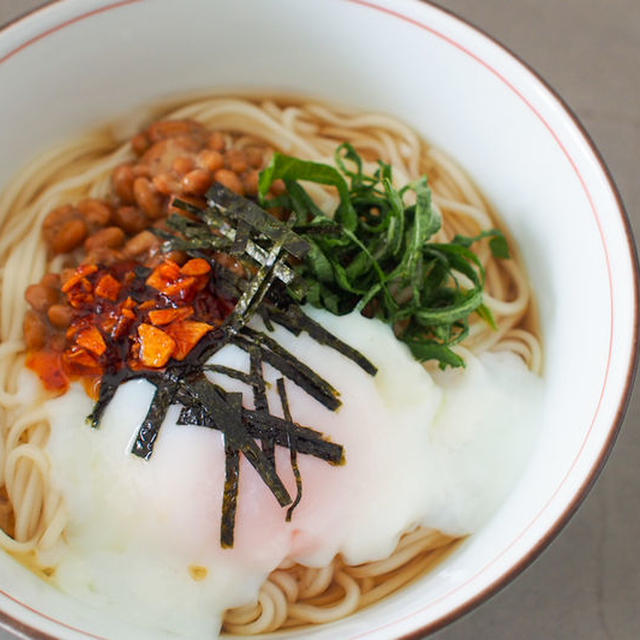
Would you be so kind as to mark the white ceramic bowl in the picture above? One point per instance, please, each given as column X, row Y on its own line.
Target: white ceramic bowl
column 78, row 63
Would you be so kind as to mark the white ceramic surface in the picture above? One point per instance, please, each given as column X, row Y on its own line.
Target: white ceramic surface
column 79, row 63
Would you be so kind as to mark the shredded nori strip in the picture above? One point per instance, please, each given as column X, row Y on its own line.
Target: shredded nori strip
column 256, row 290
column 163, row 398
column 296, row 321
column 286, row 363
column 225, row 409
column 258, row 425
column 230, row 496
column 260, row 398
column 197, row 234
column 244, row 210
column 293, row 453
column 108, row 387
column 247, row 378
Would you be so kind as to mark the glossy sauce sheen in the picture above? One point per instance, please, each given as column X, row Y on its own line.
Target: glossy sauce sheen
column 174, row 158
column 441, row 451
column 117, row 311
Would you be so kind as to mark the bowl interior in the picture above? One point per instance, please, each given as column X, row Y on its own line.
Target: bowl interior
column 88, row 61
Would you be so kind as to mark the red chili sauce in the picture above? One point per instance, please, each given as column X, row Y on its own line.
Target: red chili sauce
column 119, row 301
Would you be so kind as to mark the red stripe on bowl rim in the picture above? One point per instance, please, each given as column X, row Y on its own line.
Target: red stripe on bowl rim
column 562, row 520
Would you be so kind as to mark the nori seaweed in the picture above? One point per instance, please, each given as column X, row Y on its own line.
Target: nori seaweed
column 293, row 452
column 260, row 398
column 296, row 321
column 239, row 227
column 241, row 209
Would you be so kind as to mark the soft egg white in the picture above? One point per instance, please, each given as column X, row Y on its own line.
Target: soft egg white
column 438, row 450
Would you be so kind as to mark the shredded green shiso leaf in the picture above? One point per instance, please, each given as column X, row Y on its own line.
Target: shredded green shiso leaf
column 382, row 260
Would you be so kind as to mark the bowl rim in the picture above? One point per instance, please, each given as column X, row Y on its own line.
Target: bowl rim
column 26, row 631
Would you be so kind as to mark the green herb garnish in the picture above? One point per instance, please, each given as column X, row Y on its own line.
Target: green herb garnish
column 385, row 262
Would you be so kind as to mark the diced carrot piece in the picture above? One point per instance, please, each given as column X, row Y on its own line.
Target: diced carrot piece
column 107, row 322
column 180, row 290
column 78, row 299
column 108, row 287
column 72, row 330
column 79, row 361
column 129, row 303
column 79, row 274
column 48, row 366
column 156, row 347
column 91, row 339
column 125, row 320
column 165, row 316
column 187, row 334
column 196, row 267
column 115, row 324
column 164, row 274
column 170, row 270
column 156, row 280
column 149, row 304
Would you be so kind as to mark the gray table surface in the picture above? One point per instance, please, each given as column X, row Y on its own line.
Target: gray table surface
column 587, row 583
